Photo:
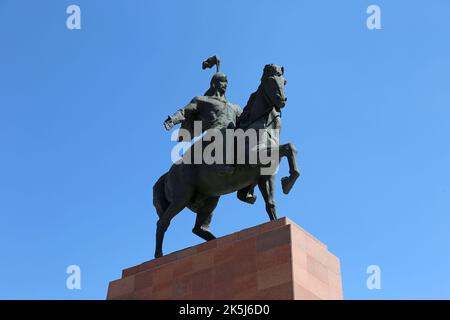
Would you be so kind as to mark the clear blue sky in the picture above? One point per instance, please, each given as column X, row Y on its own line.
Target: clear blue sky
column 82, row 141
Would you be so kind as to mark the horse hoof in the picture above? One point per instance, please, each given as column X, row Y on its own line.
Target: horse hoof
column 286, row 184
column 158, row 255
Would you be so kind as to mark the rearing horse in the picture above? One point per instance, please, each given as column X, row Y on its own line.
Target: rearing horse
column 199, row 186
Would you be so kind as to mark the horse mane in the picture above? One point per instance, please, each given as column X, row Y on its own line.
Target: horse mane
column 269, row 70
column 247, row 111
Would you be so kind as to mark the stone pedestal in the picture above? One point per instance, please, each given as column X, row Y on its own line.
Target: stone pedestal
column 277, row 260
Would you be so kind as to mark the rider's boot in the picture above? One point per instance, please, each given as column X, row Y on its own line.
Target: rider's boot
column 247, row 194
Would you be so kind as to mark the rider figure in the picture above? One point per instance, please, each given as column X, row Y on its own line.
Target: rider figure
column 214, row 112
column 212, row 109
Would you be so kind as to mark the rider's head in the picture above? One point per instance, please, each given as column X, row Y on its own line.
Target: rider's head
column 219, row 82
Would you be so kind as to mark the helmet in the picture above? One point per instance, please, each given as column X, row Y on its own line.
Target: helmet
column 218, row 76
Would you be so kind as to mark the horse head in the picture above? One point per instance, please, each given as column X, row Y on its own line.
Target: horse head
column 270, row 95
column 273, row 86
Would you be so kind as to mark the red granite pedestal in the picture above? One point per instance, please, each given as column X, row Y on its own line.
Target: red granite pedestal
column 277, row 260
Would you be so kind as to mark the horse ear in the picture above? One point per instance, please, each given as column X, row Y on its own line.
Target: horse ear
column 282, row 70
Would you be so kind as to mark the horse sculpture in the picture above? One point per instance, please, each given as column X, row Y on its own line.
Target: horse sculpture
column 199, row 186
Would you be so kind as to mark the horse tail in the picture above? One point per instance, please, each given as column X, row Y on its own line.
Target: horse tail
column 159, row 196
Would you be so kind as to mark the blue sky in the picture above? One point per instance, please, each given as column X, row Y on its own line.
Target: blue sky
column 82, row 141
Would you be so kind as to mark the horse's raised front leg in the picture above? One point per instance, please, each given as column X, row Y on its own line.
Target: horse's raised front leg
column 266, row 185
column 204, row 216
column 289, row 151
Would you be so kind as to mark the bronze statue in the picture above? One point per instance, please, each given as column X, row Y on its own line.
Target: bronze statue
column 199, row 186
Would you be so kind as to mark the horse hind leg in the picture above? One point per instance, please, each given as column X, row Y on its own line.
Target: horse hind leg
column 204, row 216
column 175, row 206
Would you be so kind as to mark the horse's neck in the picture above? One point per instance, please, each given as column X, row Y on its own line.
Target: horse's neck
column 260, row 108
